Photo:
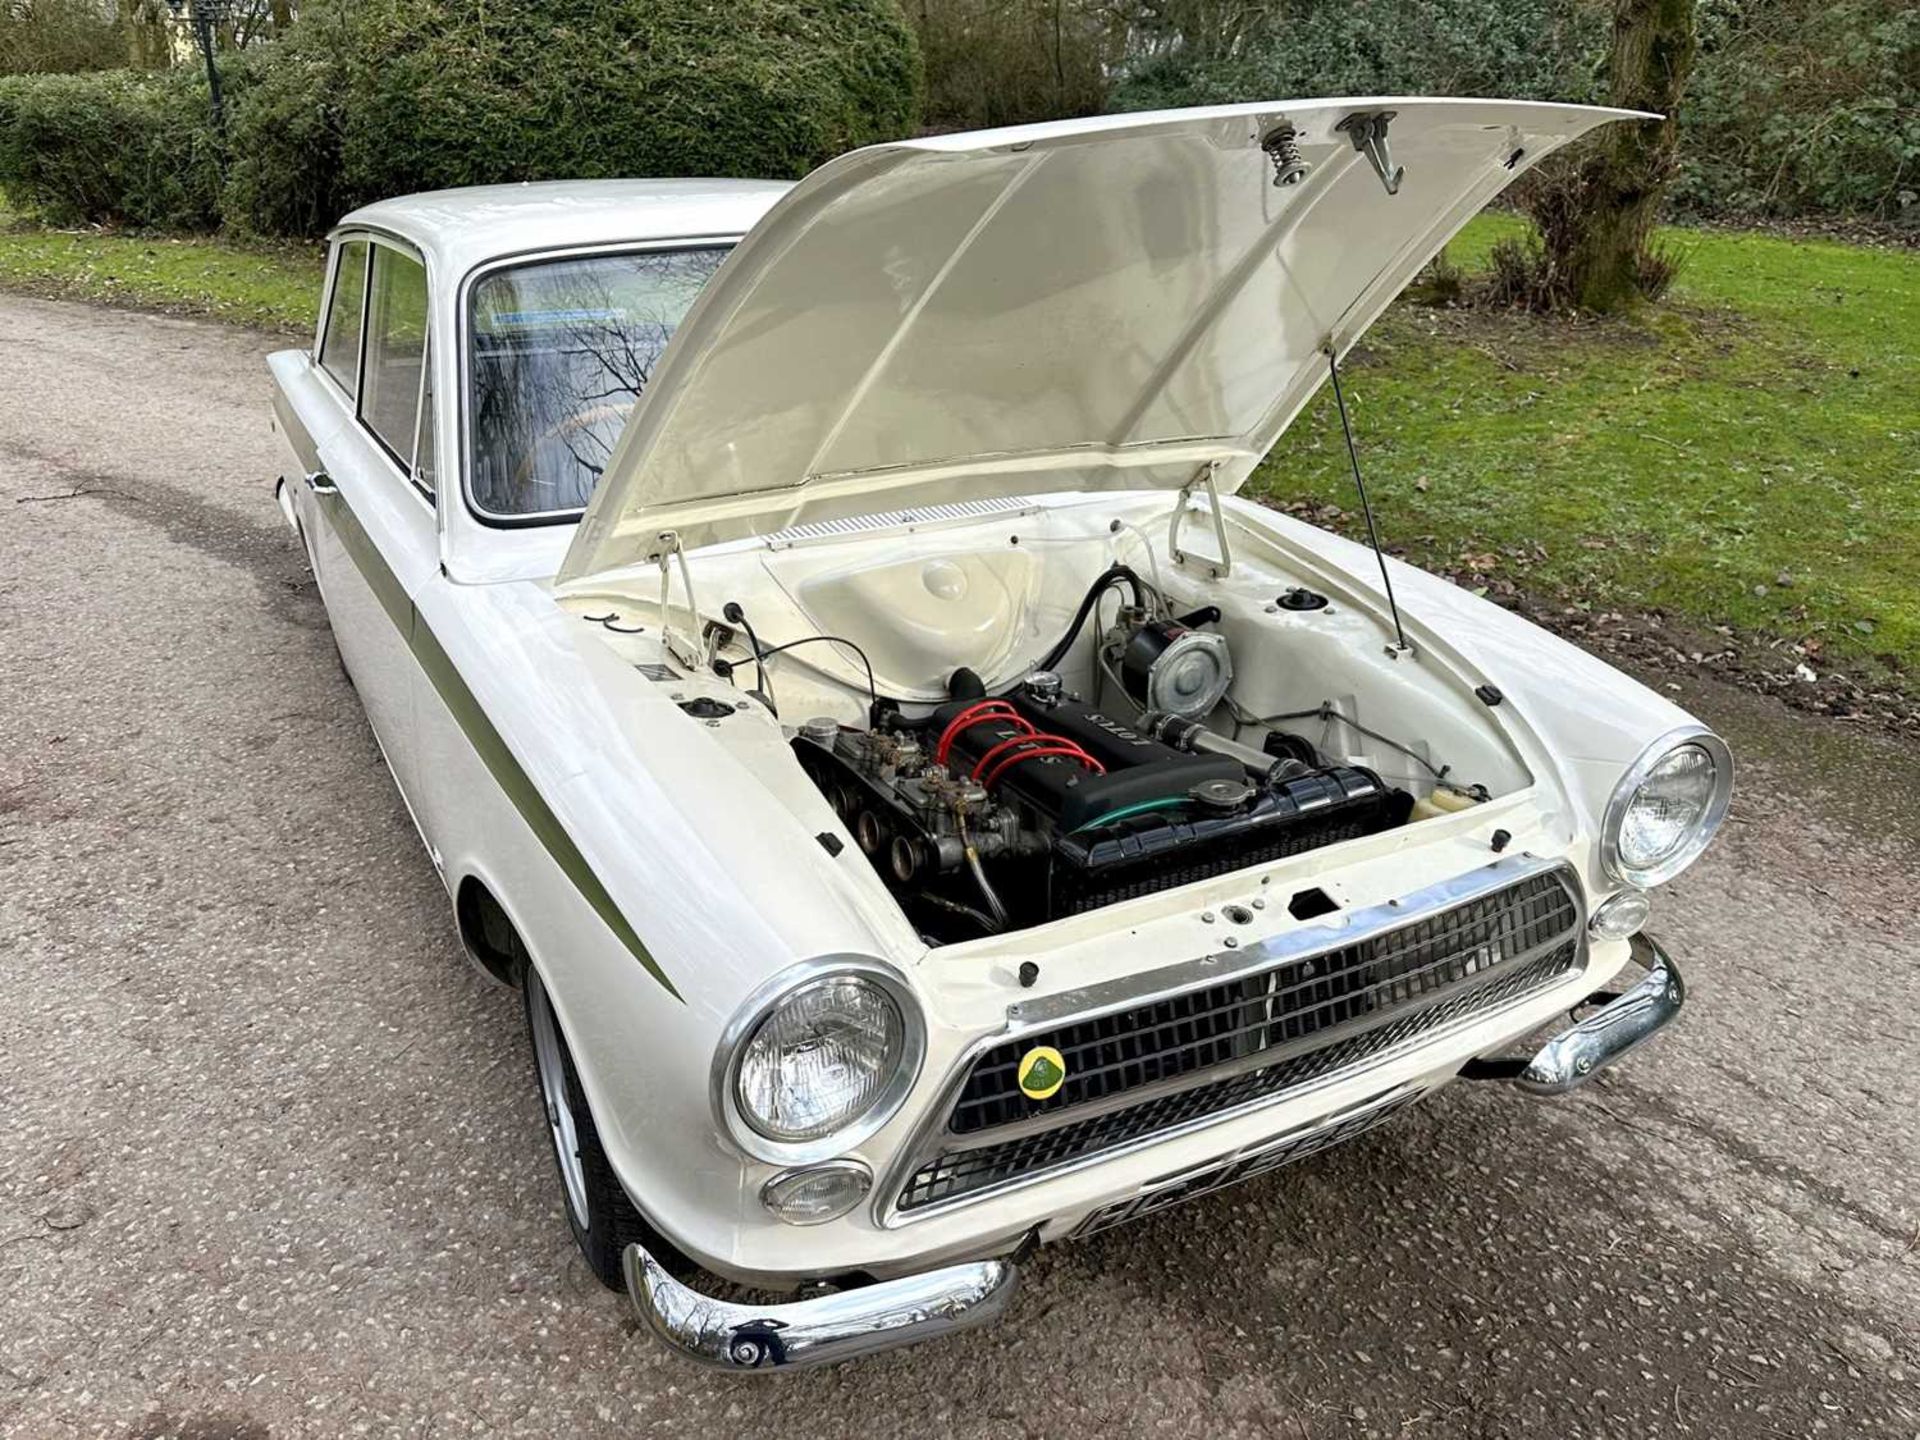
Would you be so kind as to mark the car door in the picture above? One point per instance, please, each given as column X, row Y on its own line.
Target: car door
column 313, row 399
column 368, row 505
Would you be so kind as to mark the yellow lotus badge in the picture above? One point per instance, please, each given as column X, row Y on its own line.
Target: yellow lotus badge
column 1042, row 1072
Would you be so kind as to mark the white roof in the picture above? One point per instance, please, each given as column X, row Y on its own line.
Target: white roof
column 459, row 229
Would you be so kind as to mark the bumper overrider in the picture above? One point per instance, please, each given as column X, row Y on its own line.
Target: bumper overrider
column 1635, row 1015
column 842, row 1325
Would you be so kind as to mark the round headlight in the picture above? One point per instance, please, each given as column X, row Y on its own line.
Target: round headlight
column 1667, row 807
column 823, row 1056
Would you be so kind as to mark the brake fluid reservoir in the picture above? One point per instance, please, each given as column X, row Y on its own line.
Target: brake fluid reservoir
column 1441, row 801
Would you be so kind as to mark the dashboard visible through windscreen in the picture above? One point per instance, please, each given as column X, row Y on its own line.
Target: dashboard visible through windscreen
column 559, row 352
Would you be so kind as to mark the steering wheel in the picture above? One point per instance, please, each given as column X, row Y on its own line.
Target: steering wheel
column 560, row 429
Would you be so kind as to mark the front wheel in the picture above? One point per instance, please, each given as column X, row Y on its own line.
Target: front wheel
column 599, row 1213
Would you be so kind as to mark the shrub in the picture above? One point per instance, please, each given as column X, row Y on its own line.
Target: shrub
column 112, row 146
column 285, row 176
column 1794, row 107
column 1805, row 107
column 1440, row 283
column 383, row 97
column 369, row 98
column 1537, row 49
column 1525, row 275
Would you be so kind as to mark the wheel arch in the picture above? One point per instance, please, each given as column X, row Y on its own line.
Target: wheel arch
column 492, row 937
column 494, row 941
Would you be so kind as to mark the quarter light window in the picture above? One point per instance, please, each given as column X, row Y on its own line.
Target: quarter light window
column 560, row 351
column 423, row 451
column 396, row 348
column 340, row 346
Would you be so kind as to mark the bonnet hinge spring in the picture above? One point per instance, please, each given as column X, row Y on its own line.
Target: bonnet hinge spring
column 1282, row 145
column 684, row 648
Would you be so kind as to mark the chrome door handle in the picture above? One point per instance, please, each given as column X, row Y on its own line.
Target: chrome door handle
column 319, row 484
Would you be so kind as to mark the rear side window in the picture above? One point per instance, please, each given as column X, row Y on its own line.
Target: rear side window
column 396, row 351
column 340, row 342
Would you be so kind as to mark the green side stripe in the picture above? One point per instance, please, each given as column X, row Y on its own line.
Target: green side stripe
column 472, row 720
column 367, row 558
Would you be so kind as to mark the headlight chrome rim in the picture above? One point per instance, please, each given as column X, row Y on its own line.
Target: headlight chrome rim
column 1628, row 787
column 760, row 1005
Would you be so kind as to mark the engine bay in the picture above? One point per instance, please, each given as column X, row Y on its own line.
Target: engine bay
column 1004, row 813
column 994, row 812
column 1013, row 725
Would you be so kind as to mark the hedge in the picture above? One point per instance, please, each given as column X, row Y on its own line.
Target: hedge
column 1804, row 107
column 1794, row 107
column 369, row 98
column 1520, row 49
column 110, row 146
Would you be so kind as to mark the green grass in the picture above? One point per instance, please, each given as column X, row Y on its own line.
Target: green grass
column 275, row 287
column 1762, row 425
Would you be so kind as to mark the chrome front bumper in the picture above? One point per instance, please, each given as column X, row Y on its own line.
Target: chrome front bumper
column 1636, row 1015
column 821, row 1330
column 1623, row 1020
column 851, row 1323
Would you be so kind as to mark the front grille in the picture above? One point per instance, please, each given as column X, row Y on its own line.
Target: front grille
column 964, row 1172
column 1313, row 1016
column 1172, row 1037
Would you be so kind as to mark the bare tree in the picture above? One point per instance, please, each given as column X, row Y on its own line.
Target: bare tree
column 46, row 36
column 1000, row 62
column 1205, row 29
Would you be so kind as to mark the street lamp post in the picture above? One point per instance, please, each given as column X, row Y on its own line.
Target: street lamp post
column 204, row 15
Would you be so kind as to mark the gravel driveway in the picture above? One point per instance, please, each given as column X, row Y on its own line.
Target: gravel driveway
column 271, row 1162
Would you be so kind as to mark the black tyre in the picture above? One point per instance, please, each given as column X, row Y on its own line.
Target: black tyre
column 602, row 1218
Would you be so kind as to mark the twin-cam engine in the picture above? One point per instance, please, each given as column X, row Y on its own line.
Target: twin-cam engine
column 999, row 812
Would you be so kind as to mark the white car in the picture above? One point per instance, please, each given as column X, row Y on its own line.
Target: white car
column 927, row 812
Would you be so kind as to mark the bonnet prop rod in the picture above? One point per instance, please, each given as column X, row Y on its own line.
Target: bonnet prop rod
column 1400, row 645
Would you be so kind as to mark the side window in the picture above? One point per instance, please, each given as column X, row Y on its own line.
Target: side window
column 396, row 350
column 340, row 345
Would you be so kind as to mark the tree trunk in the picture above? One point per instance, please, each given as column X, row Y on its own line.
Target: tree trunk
column 149, row 44
column 1604, row 250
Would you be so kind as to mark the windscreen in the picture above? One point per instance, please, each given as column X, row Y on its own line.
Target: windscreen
column 560, row 351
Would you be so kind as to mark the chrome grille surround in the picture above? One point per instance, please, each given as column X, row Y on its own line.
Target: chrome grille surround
column 1245, row 1028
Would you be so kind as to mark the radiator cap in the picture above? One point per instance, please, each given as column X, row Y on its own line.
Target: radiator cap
column 1222, row 794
